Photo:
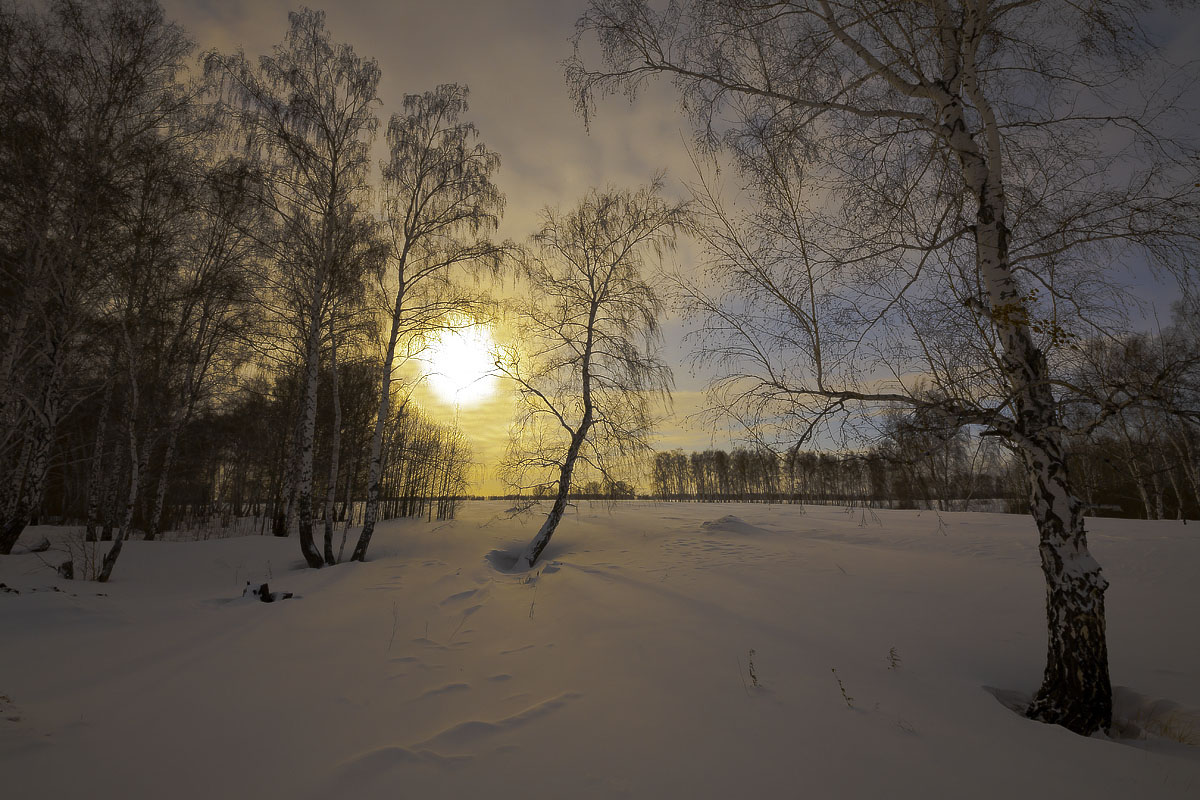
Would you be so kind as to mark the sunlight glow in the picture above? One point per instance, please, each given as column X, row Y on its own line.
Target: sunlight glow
column 459, row 365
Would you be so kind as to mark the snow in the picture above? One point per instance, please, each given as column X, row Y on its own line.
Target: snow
column 619, row 666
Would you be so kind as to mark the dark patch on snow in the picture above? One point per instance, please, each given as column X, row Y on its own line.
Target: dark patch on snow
column 264, row 594
column 504, row 560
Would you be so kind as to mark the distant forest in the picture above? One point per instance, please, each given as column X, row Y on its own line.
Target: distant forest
column 1132, row 478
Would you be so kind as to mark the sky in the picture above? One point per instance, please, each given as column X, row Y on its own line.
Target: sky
column 509, row 53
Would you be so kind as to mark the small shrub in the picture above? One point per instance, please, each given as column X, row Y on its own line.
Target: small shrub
column 893, row 659
column 1172, row 726
column 842, row 688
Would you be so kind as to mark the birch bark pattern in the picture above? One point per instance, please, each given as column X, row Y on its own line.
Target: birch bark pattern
column 307, row 433
column 335, row 446
column 375, row 464
column 1076, row 691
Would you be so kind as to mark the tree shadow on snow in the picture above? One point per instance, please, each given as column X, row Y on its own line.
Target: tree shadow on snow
column 1147, row 723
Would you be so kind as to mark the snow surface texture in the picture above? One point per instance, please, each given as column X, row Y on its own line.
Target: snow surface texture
column 658, row 651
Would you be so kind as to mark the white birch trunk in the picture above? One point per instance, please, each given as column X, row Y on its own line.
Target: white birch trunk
column 335, row 448
column 1075, row 691
column 534, row 550
column 306, row 435
column 375, row 465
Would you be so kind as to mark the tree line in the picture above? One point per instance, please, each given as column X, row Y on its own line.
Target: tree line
column 1141, row 461
column 205, row 301
column 210, row 295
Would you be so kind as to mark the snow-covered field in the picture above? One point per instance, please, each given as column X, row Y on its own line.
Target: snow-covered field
column 659, row 651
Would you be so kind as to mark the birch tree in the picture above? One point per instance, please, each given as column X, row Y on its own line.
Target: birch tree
column 585, row 363
column 439, row 202
column 308, row 112
column 943, row 189
column 89, row 85
column 207, row 305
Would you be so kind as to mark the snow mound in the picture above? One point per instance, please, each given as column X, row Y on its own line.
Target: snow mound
column 465, row 734
column 1136, row 717
column 731, row 524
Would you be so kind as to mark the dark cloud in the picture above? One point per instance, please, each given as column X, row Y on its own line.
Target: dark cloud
column 509, row 54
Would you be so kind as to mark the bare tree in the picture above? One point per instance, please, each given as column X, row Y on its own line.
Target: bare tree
column 207, row 306
column 439, row 200
column 586, row 367
column 943, row 189
column 93, row 88
column 308, row 110
column 1152, row 441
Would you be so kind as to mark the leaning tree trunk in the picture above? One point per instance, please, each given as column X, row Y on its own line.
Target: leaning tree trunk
column 578, row 437
column 114, row 552
column 534, row 551
column 375, row 465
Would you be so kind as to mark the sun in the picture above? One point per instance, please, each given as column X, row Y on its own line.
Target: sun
column 460, row 364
